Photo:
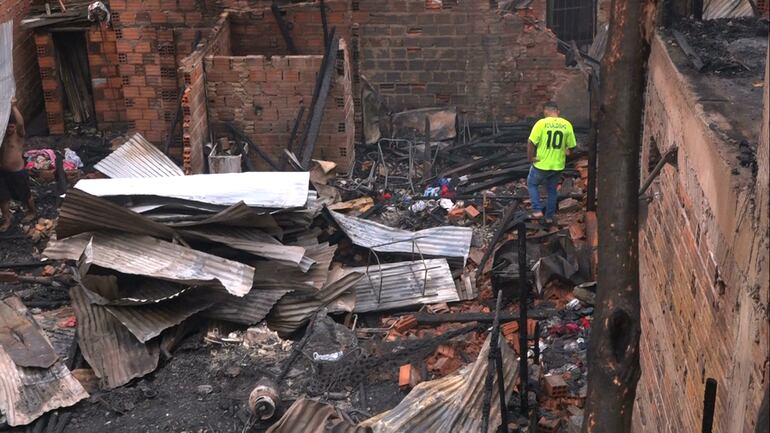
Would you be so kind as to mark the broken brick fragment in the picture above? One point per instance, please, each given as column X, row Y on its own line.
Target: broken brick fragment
column 546, row 425
column 472, row 212
column 405, row 323
column 555, row 386
column 408, row 376
column 8, row 277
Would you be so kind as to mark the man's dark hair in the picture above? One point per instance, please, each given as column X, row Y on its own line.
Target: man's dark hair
column 550, row 105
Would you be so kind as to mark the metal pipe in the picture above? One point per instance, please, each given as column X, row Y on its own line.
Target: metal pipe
column 523, row 337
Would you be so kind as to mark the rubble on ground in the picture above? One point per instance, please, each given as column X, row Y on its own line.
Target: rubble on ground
column 365, row 299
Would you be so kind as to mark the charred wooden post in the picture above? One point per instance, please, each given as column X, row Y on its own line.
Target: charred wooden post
column 613, row 355
column 323, row 85
column 709, row 401
column 283, row 26
column 521, row 229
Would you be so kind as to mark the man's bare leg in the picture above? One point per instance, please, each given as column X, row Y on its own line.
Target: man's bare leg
column 31, row 214
column 7, row 216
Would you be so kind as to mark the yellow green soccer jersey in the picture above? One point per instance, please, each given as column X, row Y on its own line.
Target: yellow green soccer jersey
column 552, row 136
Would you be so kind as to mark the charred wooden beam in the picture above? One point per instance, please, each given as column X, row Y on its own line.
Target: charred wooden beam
column 293, row 136
column 283, row 26
column 323, row 85
column 240, row 135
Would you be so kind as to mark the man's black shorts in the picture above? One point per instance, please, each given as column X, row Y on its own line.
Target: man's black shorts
column 14, row 185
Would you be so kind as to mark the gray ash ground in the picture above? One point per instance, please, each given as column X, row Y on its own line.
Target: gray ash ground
column 731, row 47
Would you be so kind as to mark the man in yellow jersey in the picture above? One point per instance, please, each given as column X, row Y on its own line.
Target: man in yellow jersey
column 550, row 141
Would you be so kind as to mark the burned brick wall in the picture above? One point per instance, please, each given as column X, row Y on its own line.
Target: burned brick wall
column 195, row 109
column 106, row 82
column 256, row 31
column 703, row 267
column 490, row 64
column 25, row 69
column 261, row 95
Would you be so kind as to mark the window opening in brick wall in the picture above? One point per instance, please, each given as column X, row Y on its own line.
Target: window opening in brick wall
column 75, row 78
column 572, row 20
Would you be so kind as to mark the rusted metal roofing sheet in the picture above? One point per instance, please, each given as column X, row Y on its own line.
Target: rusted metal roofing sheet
column 113, row 352
column 28, row 393
column 82, row 212
column 278, row 190
column 108, row 290
column 22, row 339
column 148, row 321
column 311, row 416
column 247, row 310
column 402, row 285
column 137, row 157
column 294, row 309
column 253, row 241
column 452, row 403
column 447, row 241
column 144, row 255
column 713, row 9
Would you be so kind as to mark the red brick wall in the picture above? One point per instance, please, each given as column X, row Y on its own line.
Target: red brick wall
column 53, row 94
column 703, row 269
column 106, row 82
column 464, row 54
column 262, row 95
column 25, row 70
column 257, row 32
column 195, row 124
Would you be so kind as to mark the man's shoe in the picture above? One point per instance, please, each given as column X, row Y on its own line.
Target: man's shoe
column 536, row 215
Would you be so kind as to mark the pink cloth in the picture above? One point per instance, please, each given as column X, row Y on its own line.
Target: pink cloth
column 48, row 160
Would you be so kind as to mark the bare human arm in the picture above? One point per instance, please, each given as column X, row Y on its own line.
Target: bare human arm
column 19, row 119
column 531, row 152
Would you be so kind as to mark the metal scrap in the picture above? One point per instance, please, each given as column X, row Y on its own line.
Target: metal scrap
column 144, row 255
column 278, row 190
column 138, row 158
column 446, row 241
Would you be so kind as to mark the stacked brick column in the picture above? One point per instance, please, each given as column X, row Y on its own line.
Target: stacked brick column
column 53, row 94
column 105, row 77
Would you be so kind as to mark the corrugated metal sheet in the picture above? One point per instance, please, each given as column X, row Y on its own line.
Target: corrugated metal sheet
column 144, row 255
column 447, row 241
column 108, row 290
column 247, row 310
column 311, row 416
column 82, row 212
column 253, row 241
column 22, row 340
column 294, row 309
column 237, row 215
column 278, row 190
column 137, row 157
column 452, row 403
column 148, row 321
column 401, row 285
column 713, row 9
column 113, row 352
column 27, row 393
column 7, row 83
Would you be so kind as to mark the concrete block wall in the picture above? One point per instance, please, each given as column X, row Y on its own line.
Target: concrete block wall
column 461, row 53
column 703, row 269
column 29, row 92
column 261, row 95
